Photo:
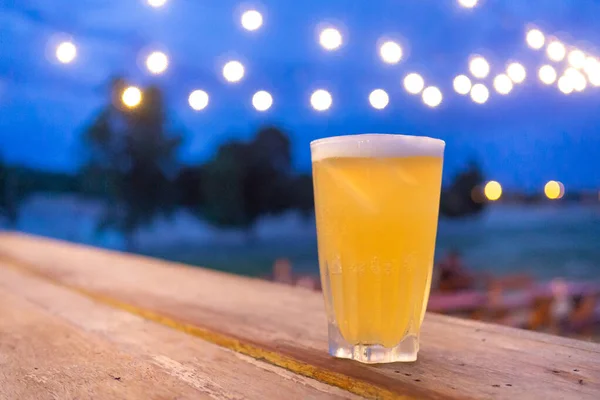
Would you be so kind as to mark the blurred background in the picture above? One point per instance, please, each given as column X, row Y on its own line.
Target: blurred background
column 180, row 129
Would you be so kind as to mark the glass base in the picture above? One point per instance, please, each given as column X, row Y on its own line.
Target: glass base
column 405, row 351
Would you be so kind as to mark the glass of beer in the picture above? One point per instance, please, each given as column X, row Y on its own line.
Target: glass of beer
column 376, row 200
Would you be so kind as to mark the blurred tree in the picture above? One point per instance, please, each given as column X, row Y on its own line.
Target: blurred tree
column 461, row 198
column 130, row 161
column 9, row 195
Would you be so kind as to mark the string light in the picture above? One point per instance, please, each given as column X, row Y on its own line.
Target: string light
column 480, row 93
column 577, row 58
column 66, row 52
column 503, row 84
column 132, row 97
column 492, row 190
column 157, row 62
column 321, row 100
column 516, row 72
column 233, row 71
column 462, row 84
column 547, row 74
column 379, row 99
column 468, row 3
column 535, row 39
column 554, row 190
column 578, row 81
column 390, row 52
column 330, row 39
column 252, row 20
column 198, row 100
column 432, row 96
column 479, row 67
column 262, row 100
column 556, row 51
column 157, row 3
column 414, row 83
column 565, row 84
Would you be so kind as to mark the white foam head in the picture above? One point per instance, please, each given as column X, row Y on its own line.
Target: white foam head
column 376, row 146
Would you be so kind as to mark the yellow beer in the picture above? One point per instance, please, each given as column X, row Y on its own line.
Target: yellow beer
column 377, row 211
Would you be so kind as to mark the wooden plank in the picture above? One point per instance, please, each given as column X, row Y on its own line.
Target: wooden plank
column 59, row 343
column 286, row 326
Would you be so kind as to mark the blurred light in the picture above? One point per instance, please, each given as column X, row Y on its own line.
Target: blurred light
column 503, row 84
column 480, row 93
column 330, row 38
column 565, row 84
column 157, row 3
column 379, row 99
column 556, row 51
column 479, row 67
column 414, row 83
column 432, row 96
column 591, row 66
column 554, row 190
column 198, row 100
column 390, row 52
column 262, row 100
column 233, row 71
column 594, row 78
column 492, row 190
column 132, row 97
column 66, row 52
column 252, row 20
column 547, row 74
column 462, row 84
column 468, row 3
column 321, row 100
column 535, row 39
column 157, row 62
column 516, row 72
column 578, row 80
column 577, row 58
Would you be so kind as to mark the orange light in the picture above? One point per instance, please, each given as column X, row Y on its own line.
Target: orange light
column 492, row 190
column 554, row 190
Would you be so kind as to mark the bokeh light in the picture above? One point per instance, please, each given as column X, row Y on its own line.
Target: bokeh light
column 578, row 80
column 516, row 72
column 252, row 20
column 468, row 3
column 157, row 3
column 594, row 78
column 480, row 93
column 577, row 58
column 591, row 66
column 414, row 83
column 479, row 67
column 554, row 190
column 556, row 51
column 262, row 100
column 390, row 52
column 432, row 96
column 503, row 84
column 565, row 84
column 492, row 190
column 462, row 84
column 379, row 99
column 547, row 74
column 132, row 97
column 157, row 62
column 321, row 100
column 198, row 100
column 330, row 38
column 233, row 71
column 66, row 52
column 535, row 39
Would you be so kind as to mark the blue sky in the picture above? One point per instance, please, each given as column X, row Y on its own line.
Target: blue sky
column 524, row 139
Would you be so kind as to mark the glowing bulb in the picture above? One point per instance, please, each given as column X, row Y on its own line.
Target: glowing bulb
column 321, row 100
column 479, row 93
column 330, row 38
column 468, row 3
column 379, row 99
column 132, row 97
column 233, row 71
column 503, row 84
column 578, row 80
column 66, row 52
column 157, row 3
column 556, row 51
column 432, row 96
column 516, row 72
column 252, row 20
column 157, row 62
column 414, row 83
column 565, row 84
column 479, row 67
column 554, row 190
column 198, row 100
column 262, row 100
column 390, row 52
column 492, row 190
column 547, row 74
column 577, row 58
column 535, row 39
column 462, row 84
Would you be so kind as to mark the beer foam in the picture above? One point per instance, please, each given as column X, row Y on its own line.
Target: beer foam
column 377, row 146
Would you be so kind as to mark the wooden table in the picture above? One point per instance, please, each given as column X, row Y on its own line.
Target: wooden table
column 83, row 323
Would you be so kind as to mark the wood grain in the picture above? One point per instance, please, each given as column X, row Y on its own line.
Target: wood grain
column 286, row 326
